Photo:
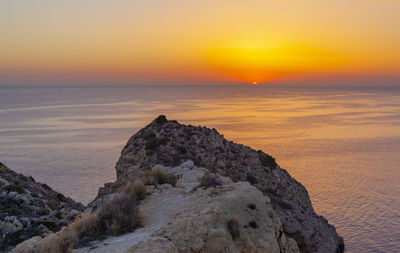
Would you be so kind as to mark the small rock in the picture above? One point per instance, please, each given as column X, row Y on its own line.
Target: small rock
column 188, row 164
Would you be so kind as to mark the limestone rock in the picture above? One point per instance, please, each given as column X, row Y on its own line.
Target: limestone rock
column 29, row 209
column 230, row 217
column 169, row 143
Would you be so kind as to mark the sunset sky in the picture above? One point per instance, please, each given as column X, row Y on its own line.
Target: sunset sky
column 208, row 41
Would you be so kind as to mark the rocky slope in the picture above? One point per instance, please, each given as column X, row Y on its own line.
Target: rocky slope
column 170, row 143
column 227, row 217
column 28, row 208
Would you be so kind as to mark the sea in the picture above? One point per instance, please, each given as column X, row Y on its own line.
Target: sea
column 342, row 143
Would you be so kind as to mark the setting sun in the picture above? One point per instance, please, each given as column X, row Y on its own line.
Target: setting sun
column 255, row 83
column 119, row 42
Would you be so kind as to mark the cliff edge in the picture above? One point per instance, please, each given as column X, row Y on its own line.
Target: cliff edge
column 218, row 216
column 170, row 143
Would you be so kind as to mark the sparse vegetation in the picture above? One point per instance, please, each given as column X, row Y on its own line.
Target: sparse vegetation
column 58, row 214
column 49, row 224
column 234, row 228
column 149, row 135
column 152, row 144
column 271, row 192
column 137, row 189
column 61, row 197
column 118, row 216
column 163, row 141
column 161, row 119
column 115, row 216
column 14, row 188
column 252, row 179
column 266, row 160
column 46, row 186
column 181, row 149
column 208, row 180
column 157, row 176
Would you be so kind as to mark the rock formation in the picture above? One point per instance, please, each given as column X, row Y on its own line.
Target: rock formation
column 226, row 217
column 28, row 208
column 169, row 143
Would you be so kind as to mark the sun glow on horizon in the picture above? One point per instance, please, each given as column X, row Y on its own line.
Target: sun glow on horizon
column 138, row 42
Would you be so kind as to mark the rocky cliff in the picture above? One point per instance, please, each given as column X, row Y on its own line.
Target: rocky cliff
column 28, row 208
column 169, row 143
column 221, row 217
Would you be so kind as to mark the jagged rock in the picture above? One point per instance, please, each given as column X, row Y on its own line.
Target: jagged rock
column 230, row 217
column 29, row 209
column 170, row 143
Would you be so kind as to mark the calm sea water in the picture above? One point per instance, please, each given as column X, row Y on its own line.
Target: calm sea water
column 342, row 144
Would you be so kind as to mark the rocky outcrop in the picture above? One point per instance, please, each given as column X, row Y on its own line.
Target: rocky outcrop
column 225, row 217
column 170, row 143
column 29, row 209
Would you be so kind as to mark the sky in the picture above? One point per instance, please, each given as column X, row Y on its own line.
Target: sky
column 208, row 41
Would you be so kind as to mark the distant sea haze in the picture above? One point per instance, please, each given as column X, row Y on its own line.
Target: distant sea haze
column 343, row 144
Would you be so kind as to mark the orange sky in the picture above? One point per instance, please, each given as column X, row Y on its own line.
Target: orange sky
column 199, row 41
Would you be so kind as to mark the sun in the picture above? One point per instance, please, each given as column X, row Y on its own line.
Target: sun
column 255, row 83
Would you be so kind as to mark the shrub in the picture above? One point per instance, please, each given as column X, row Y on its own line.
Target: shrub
column 61, row 197
column 48, row 224
column 208, row 180
column 266, row 160
column 114, row 217
column 271, row 192
column 46, row 186
column 14, row 188
column 157, row 176
column 58, row 214
column 65, row 244
column 137, row 189
column 181, row 149
column 252, row 179
column 152, row 144
column 86, row 228
column 234, row 228
column 62, row 242
column 163, row 141
column 148, row 135
column 161, row 119
column 119, row 216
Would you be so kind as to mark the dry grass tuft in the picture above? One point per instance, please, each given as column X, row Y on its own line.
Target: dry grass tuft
column 157, row 176
column 115, row 216
column 208, row 180
column 234, row 228
column 138, row 189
